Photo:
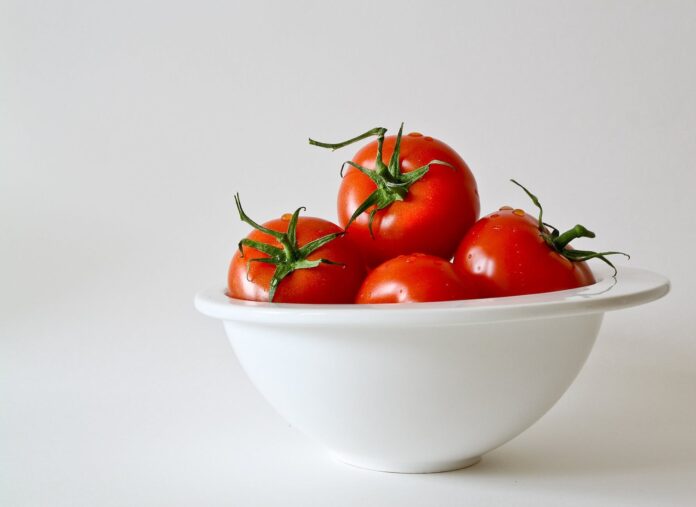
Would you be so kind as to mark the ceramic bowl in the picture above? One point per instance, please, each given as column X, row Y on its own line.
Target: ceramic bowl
column 422, row 387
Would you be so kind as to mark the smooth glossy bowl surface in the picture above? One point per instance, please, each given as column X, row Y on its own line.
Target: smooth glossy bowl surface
column 423, row 387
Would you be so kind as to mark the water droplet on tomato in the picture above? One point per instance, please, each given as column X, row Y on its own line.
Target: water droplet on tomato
column 495, row 215
column 505, row 208
column 415, row 134
column 469, row 256
column 428, row 138
column 519, row 212
column 286, row 217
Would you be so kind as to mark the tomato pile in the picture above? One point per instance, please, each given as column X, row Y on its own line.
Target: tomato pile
column 408, row 231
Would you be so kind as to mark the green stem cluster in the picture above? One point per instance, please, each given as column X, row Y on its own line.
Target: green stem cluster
column 392, row 185
column 290, row 257
column 559, row 241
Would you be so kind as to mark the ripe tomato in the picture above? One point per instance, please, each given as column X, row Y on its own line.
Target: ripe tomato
column 504, row 255
column 413, row 278
column 295, row 260
column 418, row 196
column 509, row 253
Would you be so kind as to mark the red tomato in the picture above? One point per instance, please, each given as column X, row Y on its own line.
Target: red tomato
column 429, row 215
column 331, row 273
column 509, row 253
column 414, row 278
column 503, row 254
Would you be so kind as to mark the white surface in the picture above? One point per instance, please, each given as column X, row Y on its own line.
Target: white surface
column 125, row 129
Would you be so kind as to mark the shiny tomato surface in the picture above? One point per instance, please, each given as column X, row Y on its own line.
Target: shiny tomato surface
column 413, row 278
column 325, row 283
column 503, row 254
column 437, row 211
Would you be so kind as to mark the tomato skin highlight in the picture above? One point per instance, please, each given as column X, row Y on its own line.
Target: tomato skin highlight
column 323, row 284
column 435, row 214
column 413, row 278
column 503, row 254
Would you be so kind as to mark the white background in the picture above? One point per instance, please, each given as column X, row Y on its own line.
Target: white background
column 126, row 128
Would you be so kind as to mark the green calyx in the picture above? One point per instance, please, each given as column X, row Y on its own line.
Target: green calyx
column 287, row 258
column 392, row 185
column 559, row 241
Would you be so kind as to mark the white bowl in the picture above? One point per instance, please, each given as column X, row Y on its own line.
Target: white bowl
column 423, row 387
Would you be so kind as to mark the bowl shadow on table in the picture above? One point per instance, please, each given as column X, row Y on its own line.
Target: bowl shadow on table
column 621, row 421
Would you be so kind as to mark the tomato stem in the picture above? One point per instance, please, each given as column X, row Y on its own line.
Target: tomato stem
column 559, row 242
column 536, row 202
column 291, row 256
column 578, row 231
column 391, row 184
column 378, row 131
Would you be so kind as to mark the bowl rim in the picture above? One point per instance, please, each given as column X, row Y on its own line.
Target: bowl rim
column 630, row 287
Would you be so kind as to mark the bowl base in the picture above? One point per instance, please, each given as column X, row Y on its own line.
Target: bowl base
column 400, row 468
